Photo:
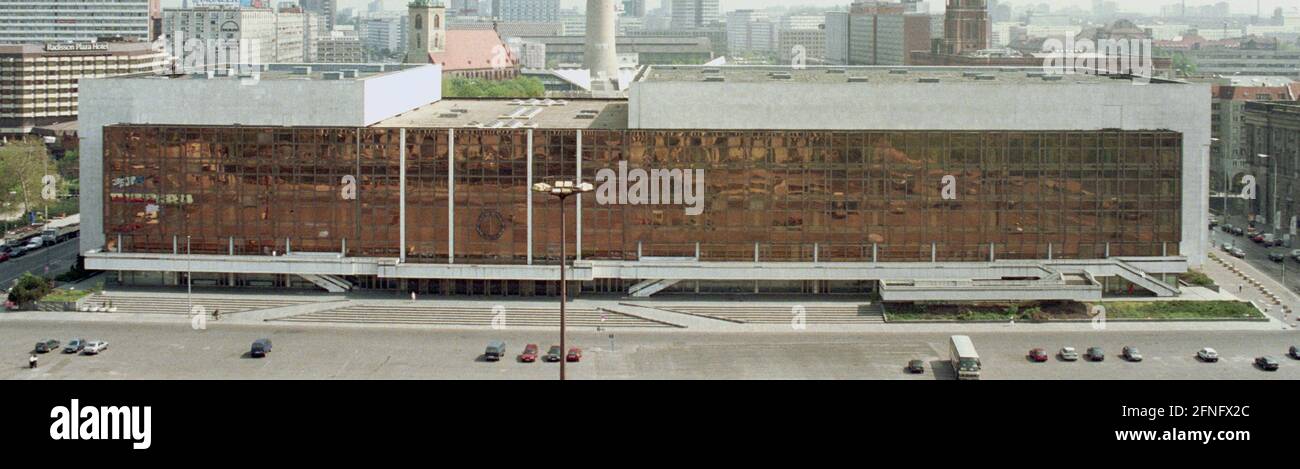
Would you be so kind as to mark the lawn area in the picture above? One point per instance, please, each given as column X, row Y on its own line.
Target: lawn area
column 1055, row 311
column 61, row 295
column 1180, row 310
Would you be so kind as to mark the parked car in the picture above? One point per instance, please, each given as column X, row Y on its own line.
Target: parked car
column 18, row 251
column 1131, row 353
column 74, row 346
column 46, row 346
column 1226, row 228
column 1294, row 352
column 1213, row 223
column 1226, row 247
column 530, row 354
column 1238, row 253
column 94, row 347
column 1277, row 256
column 1208, row 355
column 4, row 256
column 1095, row 354
column 1038, row 355
column 1295, row 254
column 915, row 367
column 1068, row 354
column 495, row 350
column 1266, row 363
column 575, row 355
column 1237, row 231
column 260, row 348
column 1258, row 238
column 554, row 354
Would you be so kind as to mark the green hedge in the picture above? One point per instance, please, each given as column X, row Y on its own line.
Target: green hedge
column 1180, row 310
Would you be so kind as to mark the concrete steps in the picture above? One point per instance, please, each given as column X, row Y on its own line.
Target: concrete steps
column 115, row 303
column 435, row 314
column 849, row 313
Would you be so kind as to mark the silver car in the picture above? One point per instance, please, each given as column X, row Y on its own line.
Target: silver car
column 1068, row 354
column 1208, row 355
column 94, row 347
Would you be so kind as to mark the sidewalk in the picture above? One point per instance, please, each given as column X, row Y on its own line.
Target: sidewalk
column 1239, row 278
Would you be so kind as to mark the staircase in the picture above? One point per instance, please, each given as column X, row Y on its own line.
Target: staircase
column 780, row 313
column 179, row 304
column 330, row 283
column 645, row 288
column 435, row 313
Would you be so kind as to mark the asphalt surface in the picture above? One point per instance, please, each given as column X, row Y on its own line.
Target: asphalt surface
column 60, row 257
column 176, row 351
column 1257, row 254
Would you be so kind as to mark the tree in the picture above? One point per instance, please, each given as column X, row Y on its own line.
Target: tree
column 520, row 87
column 22, row 165
column 29, row 288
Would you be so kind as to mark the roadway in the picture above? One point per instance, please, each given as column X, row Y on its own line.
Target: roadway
column 1257, row 255
column 141, row 350
column 60, row 257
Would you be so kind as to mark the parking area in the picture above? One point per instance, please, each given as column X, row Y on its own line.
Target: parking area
column 174, row 351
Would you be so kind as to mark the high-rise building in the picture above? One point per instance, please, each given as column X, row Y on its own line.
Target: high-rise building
column 1273, row 129
column 634, row 8
column 695, row 13
column 386, row 31
column 528, row 10
column 750, row 31
column 327, row 9
column 877, row 34
column 270, row 36
column 966, row 26
column 38, row 82
column 427, row 30
column 340, row 47
column 40, row 21
column 837, row 37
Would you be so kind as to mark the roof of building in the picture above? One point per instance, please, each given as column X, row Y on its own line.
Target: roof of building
column 79, row 49
column 473, row 49
column 515, row 113
column 841, row 74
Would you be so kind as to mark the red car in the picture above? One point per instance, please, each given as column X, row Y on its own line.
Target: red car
column 575, row 354
column 1259, row 238
column 1038, row 355
column 530, row 354
column 4, row 256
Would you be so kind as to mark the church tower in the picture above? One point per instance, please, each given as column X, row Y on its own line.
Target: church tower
column 427, row 27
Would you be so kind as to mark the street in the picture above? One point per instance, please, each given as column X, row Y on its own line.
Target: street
column 175, row 351
column 1257, row 255
column 61, row 257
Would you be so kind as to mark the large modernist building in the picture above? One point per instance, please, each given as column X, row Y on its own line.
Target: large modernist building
column 916, row 183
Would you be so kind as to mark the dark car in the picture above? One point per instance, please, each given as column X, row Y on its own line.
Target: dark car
column 260, row 348
column 1266, row 363
column 46, row 346
column 19, row 251
column 1132, row 354
column 1294, row 352
column 1277, row 256
column 74, row 346
column 574, row 355
column 530, row 354
column 1038, row 355
column 1095, row 354
column 916, row 366
column 554, row 354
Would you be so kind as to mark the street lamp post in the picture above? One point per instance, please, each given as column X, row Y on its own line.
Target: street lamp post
column 562, row 190
column 1272, row 190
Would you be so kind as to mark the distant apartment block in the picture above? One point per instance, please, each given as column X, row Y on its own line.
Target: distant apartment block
column 277, row 36
column 40, row 21
column 688, row 14
column 750, row 31
column 529, row 10
column 339, row 48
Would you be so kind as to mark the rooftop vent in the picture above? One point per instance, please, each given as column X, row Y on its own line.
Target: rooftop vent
column 898, row 71
column 780, row 75
column 302, row 70
column 985, row 78
column 349, row 73
column 448, row 115
column 710, row 71
column 1053, row 77
column 714, row 78
column 927, row 80
column 970, row 74
column 859, row 79
column 834, row 70
column 1037, row 74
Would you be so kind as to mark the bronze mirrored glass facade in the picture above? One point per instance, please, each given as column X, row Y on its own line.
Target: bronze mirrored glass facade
column 790, row 195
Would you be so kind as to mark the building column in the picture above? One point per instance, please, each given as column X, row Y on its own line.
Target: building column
column 451, row 196
column 401, row 194
column 528, row 189
column 578, row 179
